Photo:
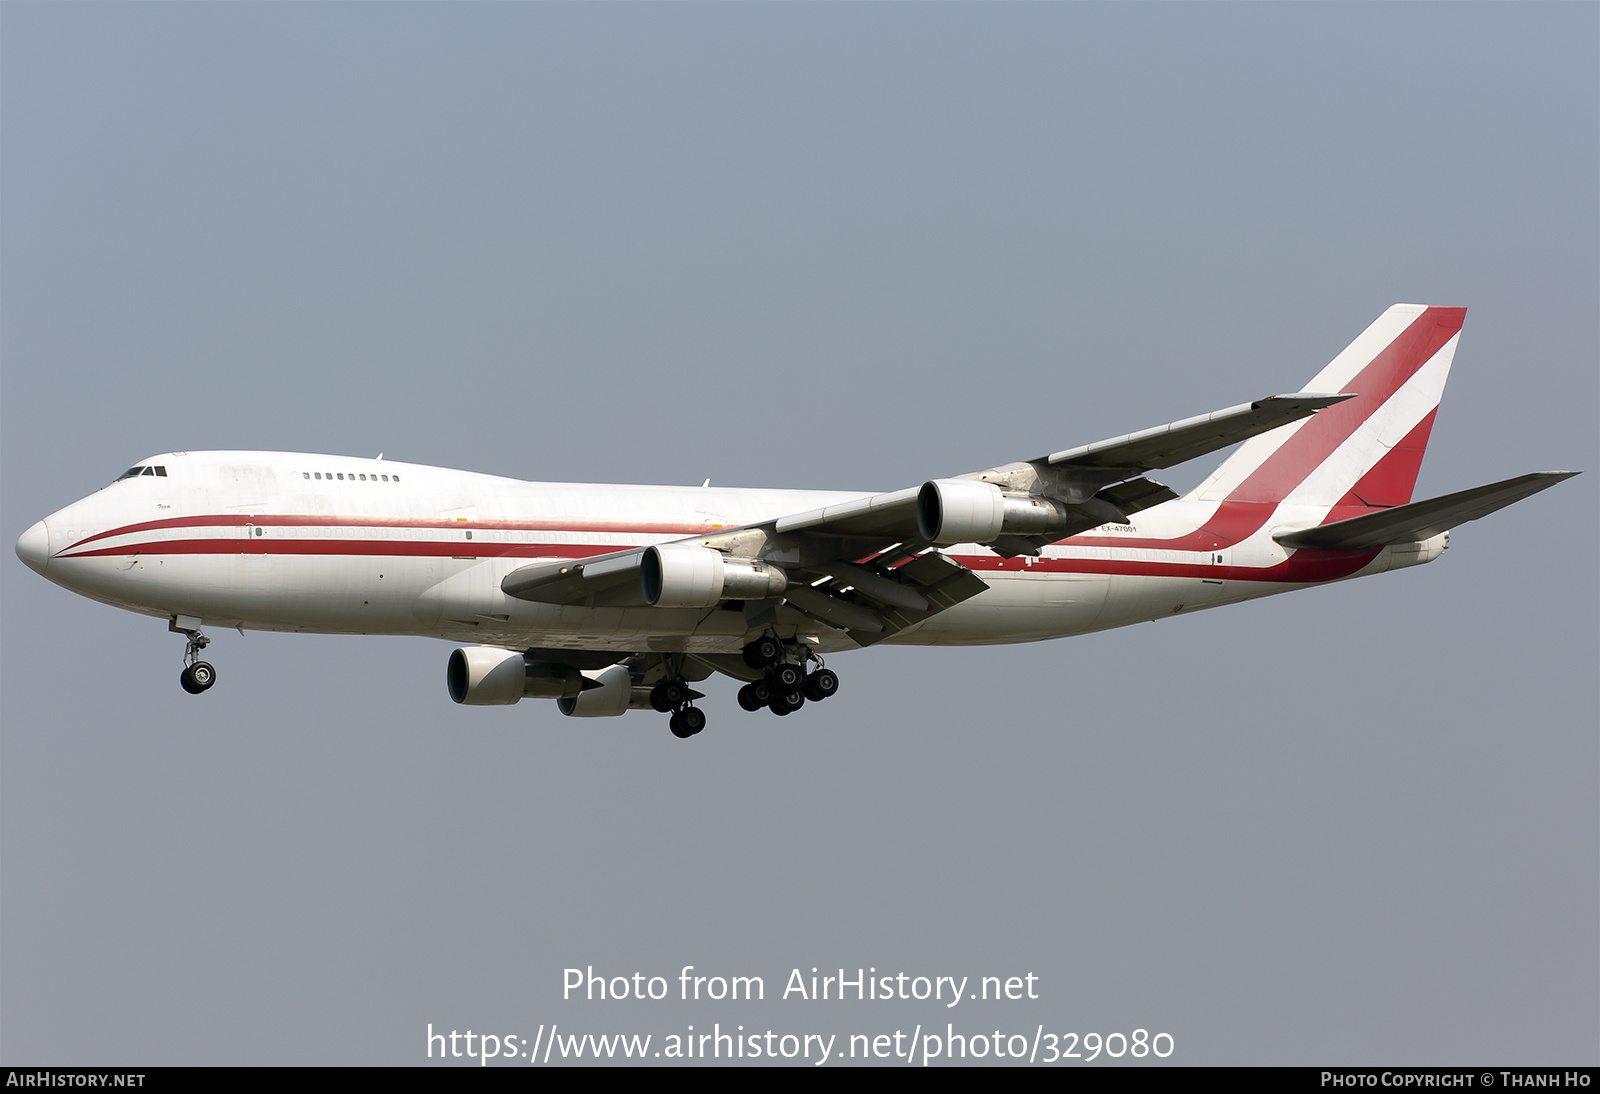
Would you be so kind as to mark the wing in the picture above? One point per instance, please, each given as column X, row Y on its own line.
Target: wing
column 871, row 567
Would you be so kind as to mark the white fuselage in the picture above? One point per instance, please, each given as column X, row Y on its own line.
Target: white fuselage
column 280, row 541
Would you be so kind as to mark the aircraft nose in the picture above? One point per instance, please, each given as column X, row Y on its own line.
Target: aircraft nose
column 33, row 547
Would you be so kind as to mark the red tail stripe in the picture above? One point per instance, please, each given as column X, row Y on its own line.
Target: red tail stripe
column 1250, row 505
column 1396, row 363
column 1394, row 477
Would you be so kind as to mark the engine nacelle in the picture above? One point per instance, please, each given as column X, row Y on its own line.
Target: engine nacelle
column 683, row 575
column 611, row 698
column 490, row 676
column 968, row 511
column 959, row 511
column 486, row 676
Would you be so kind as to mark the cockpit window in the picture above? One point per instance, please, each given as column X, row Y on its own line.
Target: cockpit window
column 143, row 469
column 131, row 472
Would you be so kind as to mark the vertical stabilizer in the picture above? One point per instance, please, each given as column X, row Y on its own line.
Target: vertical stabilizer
column 1364, row 453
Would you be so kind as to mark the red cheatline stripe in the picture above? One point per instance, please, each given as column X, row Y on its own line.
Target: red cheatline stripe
column 1302, row 566
column 308, row 520
column 401, row 548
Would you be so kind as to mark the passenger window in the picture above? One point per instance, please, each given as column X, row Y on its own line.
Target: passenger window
column 396, row 478
column 341, row 476
column 305, row 474
column 363, row 478
column 319, row 474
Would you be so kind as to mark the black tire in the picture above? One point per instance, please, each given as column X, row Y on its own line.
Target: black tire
column 679, row 730
column 692, row 719
column 747, row 698
column 786, row 678
column 764, row 651
column 787, row 702
column 669, row 695
column 821, row 684
column 198, row 677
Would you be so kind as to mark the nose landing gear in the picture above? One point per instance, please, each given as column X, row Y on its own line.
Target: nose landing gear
column 197, row 675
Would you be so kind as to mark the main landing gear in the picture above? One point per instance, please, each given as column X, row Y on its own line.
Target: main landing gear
column 675, row 694
column 197, row 675
column 785, row 684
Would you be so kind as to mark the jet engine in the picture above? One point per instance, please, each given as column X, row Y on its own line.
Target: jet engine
column 968, row 511
column 683, row 575
column 486, row 676
column 490, row 676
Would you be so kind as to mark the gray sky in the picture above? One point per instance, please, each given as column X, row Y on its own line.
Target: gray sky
column 831, row 246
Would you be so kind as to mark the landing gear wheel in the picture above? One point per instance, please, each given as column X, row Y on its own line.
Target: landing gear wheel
column 787, row 702
column 764, row 651
column 669, row 695
column 821, row 684
column 687, row 722
column 198, row 677
column 753, row 697
column 787, row 678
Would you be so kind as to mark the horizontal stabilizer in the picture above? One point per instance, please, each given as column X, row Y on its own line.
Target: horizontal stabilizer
column 1421, row 520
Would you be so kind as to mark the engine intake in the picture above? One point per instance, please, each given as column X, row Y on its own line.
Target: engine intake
column 968, row 511
column 684, row 575
column 486, row 676
column 490, row 676
column 959, row 511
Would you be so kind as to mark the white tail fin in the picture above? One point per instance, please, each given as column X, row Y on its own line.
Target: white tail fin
column 1363, row 453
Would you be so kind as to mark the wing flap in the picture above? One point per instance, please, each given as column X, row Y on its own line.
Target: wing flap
column 1420, row 520
column 860, row 602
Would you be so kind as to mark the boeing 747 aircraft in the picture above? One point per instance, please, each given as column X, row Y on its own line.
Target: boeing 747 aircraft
column 614, row 598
